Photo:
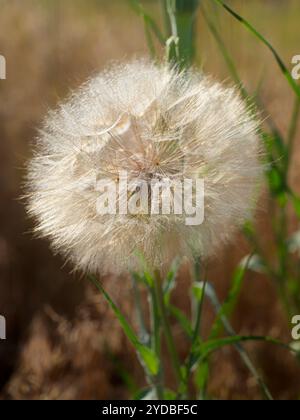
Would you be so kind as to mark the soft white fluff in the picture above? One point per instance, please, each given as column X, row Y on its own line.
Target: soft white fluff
column 145, row 119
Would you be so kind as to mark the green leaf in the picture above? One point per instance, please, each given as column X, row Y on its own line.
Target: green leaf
column 138, row 278
column 205, row 349
column 277, row 183
column 201, row 377
column 182, row 319
column 147, row 355
column 198, row 290
column 147, row 277
column 170, row 281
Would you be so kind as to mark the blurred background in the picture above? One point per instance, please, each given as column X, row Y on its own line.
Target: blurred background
column 62, row 340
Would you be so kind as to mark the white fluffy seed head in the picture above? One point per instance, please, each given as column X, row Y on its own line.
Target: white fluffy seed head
column 147, row 120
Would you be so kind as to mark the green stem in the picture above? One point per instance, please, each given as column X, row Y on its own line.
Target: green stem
column 293, row 127
column 199, row 307
column 143, row 333
column 166, row 19
column 180, row 27
column 166, row 327
column 196, row 329
column 155, row 340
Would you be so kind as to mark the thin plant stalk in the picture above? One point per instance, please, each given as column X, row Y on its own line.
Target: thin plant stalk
column 155, row 340
column 166, row 328
column 180, row 27
column 196, row 331
column 143, row 333
column 293, row 127
column 243, row 354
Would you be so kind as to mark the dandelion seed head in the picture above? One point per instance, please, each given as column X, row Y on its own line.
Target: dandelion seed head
column 152, row 122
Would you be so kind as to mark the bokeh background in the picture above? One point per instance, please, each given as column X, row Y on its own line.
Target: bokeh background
column 62, row 340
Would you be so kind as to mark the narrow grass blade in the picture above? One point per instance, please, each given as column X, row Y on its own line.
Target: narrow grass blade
column 199, row 294
column 242, row 352
column 166, row 327
column 227, row 57
column 170, row 281
column 148, row 20
column 147, row 356
column 201, row 378
column 259, row 36
column 293, row 127
column 213, row 345
column 143, row 333
column 228, row 306
column 182, row 319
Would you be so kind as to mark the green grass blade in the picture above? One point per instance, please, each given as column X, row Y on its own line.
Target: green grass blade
column 205, row 349
column 147, row 356
column 293, row 127
column 201, row 378
column 274, row 140
column 162, row 308
column 259, row 36
column 144, row 336
column 242, row 352
column 170, row 281
column 227, row 308
column 199, row 294
column 227, row 57
column 149, row 39
column 148, row 21
column 182, row 320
